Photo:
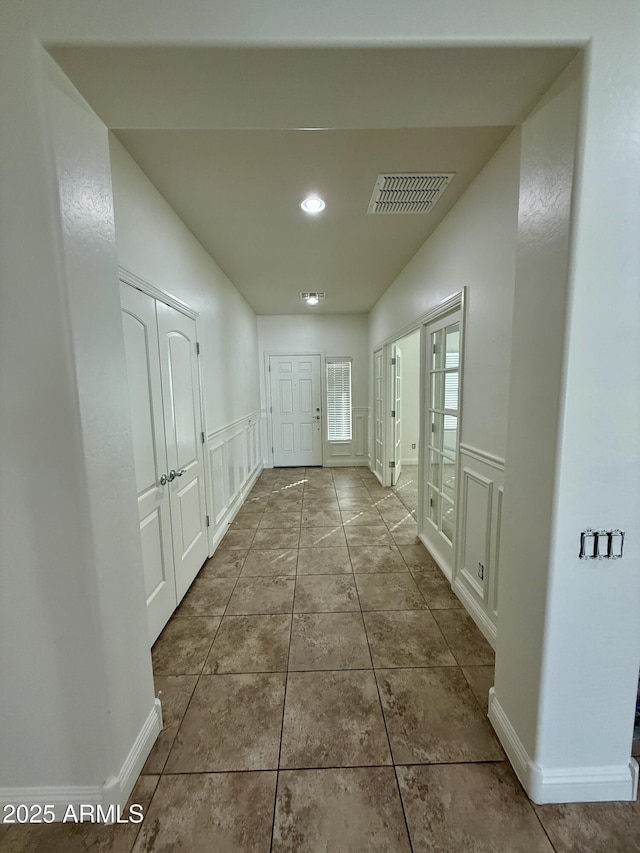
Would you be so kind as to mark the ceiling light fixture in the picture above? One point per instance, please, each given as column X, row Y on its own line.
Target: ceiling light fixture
column 312, row 297
column 313, row 204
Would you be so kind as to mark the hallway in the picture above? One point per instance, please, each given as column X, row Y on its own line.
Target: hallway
column 322, row 689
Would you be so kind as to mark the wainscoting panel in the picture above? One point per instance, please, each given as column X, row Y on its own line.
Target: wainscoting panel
column 479, row 515
column 356, row 451
column 235, row 461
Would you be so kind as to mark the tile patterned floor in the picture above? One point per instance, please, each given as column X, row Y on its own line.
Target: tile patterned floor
column 323, row 690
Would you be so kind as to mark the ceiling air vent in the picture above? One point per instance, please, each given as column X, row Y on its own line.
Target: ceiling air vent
column 408, row 193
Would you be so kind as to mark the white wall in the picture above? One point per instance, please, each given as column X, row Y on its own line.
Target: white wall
column 46, row 487
column 474, row 247
column 154, row 244
column 330, row 335
column 410, row 410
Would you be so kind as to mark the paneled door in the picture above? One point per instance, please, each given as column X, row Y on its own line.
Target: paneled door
column 149, row 453
column 396, row 389
column 443, row 433
column 166, row 422
column 379, row 407
column 296, row 410
column 185, row 449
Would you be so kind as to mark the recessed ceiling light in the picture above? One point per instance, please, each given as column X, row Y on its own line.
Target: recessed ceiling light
column 313, row 204
column 312, row 297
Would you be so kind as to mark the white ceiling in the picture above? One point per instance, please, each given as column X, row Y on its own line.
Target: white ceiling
column 218, row 131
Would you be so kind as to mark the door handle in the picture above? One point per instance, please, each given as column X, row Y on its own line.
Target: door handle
column 180, row 472
column 172, row 475
column 317, row 417
column 164, row 480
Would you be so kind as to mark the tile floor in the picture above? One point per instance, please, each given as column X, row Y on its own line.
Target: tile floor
column 323, row 690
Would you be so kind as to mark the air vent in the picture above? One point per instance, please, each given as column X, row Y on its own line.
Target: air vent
column 408, row 193
column 312, row 296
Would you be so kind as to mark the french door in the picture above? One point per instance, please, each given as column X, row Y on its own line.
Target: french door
column 379, row 410
column 296, row 410
column 396, row 390
column 442, row 433
column 164, row 397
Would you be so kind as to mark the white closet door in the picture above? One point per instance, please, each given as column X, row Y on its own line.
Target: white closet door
column 185, row 450
column 147, row 425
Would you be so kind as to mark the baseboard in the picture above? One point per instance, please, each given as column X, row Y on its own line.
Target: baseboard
column 562, row 784
column 115, row 791
column 357, row 462
column 233, row 509
column 443, row 565
column 476, row 611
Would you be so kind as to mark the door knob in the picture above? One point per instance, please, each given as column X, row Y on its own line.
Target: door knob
column 172, row 475
column 164, row 480
column 180, row 472
column 317, row 417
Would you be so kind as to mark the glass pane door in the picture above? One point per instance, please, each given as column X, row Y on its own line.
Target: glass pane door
column 444, row 405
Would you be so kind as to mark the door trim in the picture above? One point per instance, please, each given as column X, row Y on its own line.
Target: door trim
column 269, row 454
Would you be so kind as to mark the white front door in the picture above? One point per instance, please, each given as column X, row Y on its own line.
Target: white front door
column 150, row 458
column 396, row 387
column 296, row 410
column 185, row 449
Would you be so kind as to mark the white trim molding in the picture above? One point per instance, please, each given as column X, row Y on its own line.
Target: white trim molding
column 562, row 784
column 483, row 456
column 114, row 792
column 151, row 290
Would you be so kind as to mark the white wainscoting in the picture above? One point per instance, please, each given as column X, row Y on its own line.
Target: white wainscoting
column 356, row 451
column 475, row 576
column 235, row 459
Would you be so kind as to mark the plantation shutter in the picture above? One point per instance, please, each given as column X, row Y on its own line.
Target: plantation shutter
column 339, row 399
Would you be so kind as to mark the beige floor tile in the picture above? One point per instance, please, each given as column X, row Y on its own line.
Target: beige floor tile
column 183, row 646
column 246, row 521
column 80, row 837
column 237, row 540
column 174, row 692
column 250, row 644
column 480, row 679
column 281, row 520
column 224, row 564
column 362, row 502
column 436, row 589
column 274, row 538
column 313, row 504
column 417, row 557
column 362, row 518
column 322, row 537
column 354, row 809
column 321, row 518
column 207, row 597
column 475, row 808
column 367, row 559
column 256, row 503
column 368, row 535
column 390, row 591
column 328, row 641
column 406, row 638
column 324, row 561
column 464, row 637
column 272, row 562
column 432, row 717
column 333, row 719
column 216, row 812
column 233, row 722
column 592, row 827
column 325, row 593
column 261, row 595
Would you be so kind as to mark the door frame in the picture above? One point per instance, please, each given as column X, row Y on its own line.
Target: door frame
column 455, row 302
column 269, row 454
column 134, row 280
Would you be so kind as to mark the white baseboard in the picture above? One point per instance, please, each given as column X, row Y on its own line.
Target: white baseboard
column 443, row 565
column 476, row 611
column 562, row 784
column 348, row 462
column 234, row 507
column 115, row 791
